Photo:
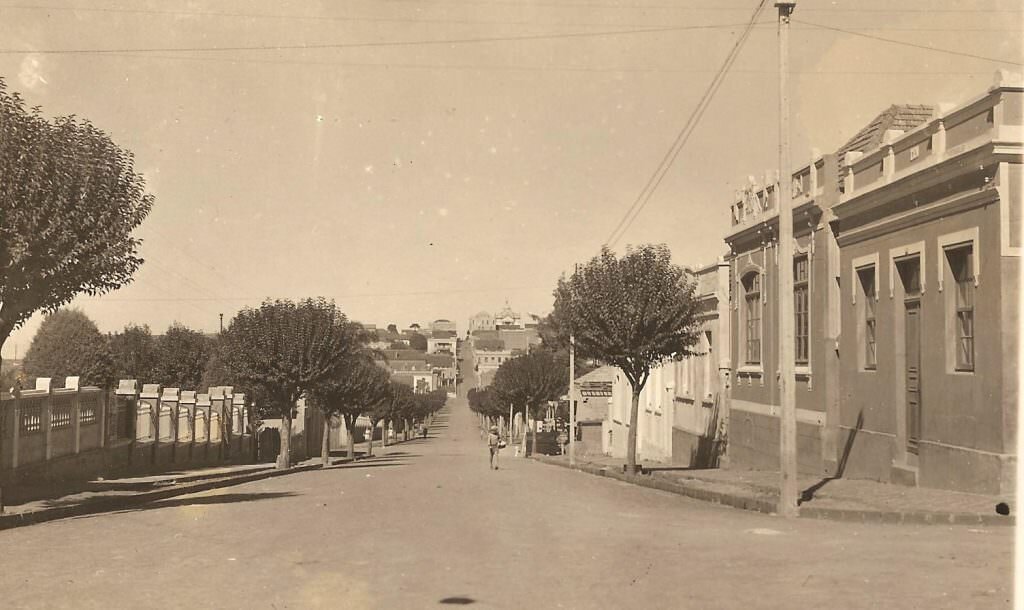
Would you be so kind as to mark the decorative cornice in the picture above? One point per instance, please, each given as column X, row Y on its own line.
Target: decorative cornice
column 950, row 167
column 916, row 216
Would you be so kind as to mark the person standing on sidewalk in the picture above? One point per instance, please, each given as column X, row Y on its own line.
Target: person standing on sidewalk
column 494, row 445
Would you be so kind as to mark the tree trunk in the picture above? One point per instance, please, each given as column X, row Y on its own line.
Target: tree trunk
column 384, row 433
column 369, row 446
column 325, row 444
column 284, row 458
column 254, row 440
column 225, row 433
column 631, row 437
column 525, row 431
column 350, row 423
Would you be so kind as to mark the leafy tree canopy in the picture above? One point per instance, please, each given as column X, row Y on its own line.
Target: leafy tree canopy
column 357, row 386
column 483, row 401
column 182, row 355
column 283, row 349
column 68, row 343
column 69, row 201
column 633, row 312
column 134, row 353
column 531, row 380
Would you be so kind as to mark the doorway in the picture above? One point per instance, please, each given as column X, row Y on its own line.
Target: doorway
column 910, row 276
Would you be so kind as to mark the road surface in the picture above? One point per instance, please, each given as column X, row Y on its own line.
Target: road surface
column 427, row 524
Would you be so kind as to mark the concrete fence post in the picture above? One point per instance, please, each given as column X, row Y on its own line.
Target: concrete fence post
column 16, row 430
column 170, row 398
column 45, row 414
column 187, row 401
column 227, row 420
column 76, row 411
column 150, row 395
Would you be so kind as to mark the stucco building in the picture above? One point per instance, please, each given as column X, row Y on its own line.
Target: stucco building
column 928, row 229
column 906, row 296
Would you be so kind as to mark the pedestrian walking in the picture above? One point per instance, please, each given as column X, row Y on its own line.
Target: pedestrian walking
column 494, row 443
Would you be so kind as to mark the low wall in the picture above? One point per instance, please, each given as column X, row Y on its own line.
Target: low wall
column 753, row 443
column 79, row 434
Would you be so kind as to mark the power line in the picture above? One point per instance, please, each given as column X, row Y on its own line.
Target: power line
column 292, row 17
column 537, row 68
column 910, row 44
column 182, row 250
column 364, row 295
column 684, row 134
column 354, row 45
column 363, row 19
column 734, row 8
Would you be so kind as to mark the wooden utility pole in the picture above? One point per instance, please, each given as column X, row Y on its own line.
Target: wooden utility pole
column 572, row 399
column 572, row 378
column 787, row 340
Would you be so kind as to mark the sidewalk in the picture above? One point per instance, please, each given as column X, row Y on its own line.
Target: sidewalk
column 840, row 499
column 29, row 505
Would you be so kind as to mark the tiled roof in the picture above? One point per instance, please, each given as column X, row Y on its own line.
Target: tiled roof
column 443, row 360
column 404, row 354
column 488, row 345
column 903, row 117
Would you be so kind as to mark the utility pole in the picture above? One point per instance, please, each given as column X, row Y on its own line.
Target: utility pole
column 572, row 399
column 221, row 322
column 787, row 348
column 572, row 381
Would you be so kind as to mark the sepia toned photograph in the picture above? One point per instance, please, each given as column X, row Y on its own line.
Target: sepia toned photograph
column 517, row 304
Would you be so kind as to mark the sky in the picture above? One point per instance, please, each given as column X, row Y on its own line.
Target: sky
column 379, row 153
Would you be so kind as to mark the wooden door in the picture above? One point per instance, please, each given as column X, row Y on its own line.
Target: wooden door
column 913, row 373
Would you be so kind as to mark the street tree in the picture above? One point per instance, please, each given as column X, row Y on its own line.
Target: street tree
column 216, row 371
column 281, row 350
column 634, row 312
column 69, row 201
column 400, row 399
column 485, row 401
column 134, row 353
column 352, row 389
column 182, row 356
column 529, row 382
column 378, row 413
column 68, row 343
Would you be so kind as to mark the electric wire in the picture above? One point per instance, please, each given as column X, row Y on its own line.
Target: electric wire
column 369, row 44
column 910, row 44
column 683, row 136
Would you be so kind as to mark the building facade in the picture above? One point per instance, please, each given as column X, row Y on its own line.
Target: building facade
column 928, row 229
column 906, row 277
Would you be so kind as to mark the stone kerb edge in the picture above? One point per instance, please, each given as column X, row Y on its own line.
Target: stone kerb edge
column 767, row 506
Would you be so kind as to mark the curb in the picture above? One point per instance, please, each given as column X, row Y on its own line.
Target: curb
column 767, row 504
column 13, row 520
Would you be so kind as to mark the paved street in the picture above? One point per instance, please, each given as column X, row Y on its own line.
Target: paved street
column 426, row 521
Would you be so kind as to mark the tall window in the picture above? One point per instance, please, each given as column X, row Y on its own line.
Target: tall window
column 801, row 309
column 961, row 265
column 752, row 316
column 867, row 284
column 709, row 363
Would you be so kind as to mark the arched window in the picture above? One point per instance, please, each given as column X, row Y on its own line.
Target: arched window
column 752, row 317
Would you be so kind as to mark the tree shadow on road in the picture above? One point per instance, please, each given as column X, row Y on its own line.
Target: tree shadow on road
column 458, row 600
column 368, row 464
column 105, row 508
